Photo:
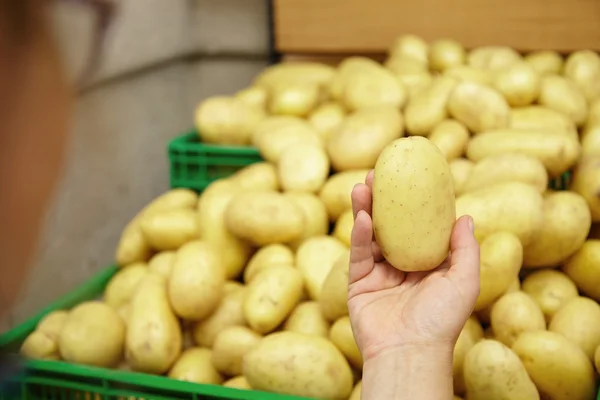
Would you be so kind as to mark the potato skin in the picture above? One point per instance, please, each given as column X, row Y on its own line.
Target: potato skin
column 586, row 182
column 362, row 136
column 550, row 289
column 512, row 207
column 428, row 108
column 509, row 167
column 451, row 137
column 194, row 366
column 584, row 268
column 460, row 168
column 230, row 347
column 315, row 258
column 579, row 320
column 557, row 151
column 335, row 194
column 493, row 371
column 563, row 95
column 567, row 222
column 413, row 204
column 478, row 106
column 342, row 337
column 501, row 257
column 303, row 167
column 307, row 318
column 513, row 314
column 469, row 336
column 271, row 297
column 264, row 218
column 300, row 365
column 557, row 366
column 334, row 293
column 542, row 118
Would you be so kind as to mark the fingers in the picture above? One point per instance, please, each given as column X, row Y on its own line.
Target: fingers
column 361, row 255
column 369, row 179
column 464, row 260
column 361, row 199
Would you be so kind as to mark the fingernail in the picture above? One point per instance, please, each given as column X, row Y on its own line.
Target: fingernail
column 471, row 225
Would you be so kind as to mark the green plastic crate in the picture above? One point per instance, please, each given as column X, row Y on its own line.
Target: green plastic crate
column 57, row 380
column 195, row 165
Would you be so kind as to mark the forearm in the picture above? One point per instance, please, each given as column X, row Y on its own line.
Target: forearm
column 409, row 374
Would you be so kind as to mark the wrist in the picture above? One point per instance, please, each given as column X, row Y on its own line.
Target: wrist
column 409, row 372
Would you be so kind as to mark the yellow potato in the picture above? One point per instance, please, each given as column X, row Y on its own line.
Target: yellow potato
column 470, row 73
column 519, row 84
column 230, row 312
column 301, row 72
column 556, row 365
column 451, row 138
column 264, row 218
column 428, row 108
column 93, row 334
column 174, row 198
column 415, row 83
column 594, row 114
column 303, row 167
column 270, row 255
column 446, row 53
column 550, row 289
column 375, row 88
column 404, row 65
column 494, row 58
column 315, row 258
column 493, row 371
column 308, row 319
column 541, row 118
column 410, row 46
column 40, row 346
column 212, row 206
column 162, row 263
column 239, row 382
column 194, row 365
column 460, row 168
column 335, row 194
column 584, row 268
column 545, row 62
column 478, row 106
column 513, row 314
column 197, row 281
column 470, row 334
column 590, row 141
column 334, row 293
column 488, row 207
column 586, row 182
column 296, row 364
column 326, row 119
column 132, row 246
column 123, row 284
column 363, row 135
column 413, row 204
column 501, row 256
column 315, row 216
column 561, row 94
column 230, row 347
column 271, row 297
column 508, row 167
column 124, row 312
column 152, row 350
column 558, row 152
column 347, row 69
column 583, row 68
column 293, row 98
column 341, row 335
column 355, row 395
column 254, row 96
column 52, row 324
column 170, row 229
column 258, row 176
column 226, row 120
column 343, row 227
column 567, row 221
column 485, row 315
column 578, row 319
column 272, row 140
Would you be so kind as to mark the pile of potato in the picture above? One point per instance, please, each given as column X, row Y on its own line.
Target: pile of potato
column 245, row 286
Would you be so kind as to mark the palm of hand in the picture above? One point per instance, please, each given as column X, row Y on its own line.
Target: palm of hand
column 390, row 308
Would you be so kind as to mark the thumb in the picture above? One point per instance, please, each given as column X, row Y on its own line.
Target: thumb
column 464, row 258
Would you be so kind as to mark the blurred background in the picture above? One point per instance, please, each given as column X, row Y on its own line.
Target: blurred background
column 160, row 60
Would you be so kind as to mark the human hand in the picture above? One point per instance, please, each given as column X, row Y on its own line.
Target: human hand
column 391, row 309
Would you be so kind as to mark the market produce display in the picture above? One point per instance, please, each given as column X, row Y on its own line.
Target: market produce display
column 245, row 284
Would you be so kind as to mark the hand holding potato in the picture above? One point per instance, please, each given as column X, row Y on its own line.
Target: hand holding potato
column 398, row 315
